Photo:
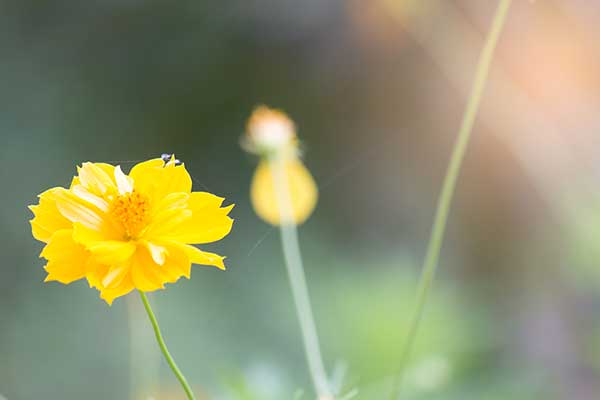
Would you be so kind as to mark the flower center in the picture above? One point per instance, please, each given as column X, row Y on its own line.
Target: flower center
column 131, row 211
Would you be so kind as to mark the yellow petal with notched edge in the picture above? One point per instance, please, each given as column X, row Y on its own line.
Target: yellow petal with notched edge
column 198, row 256
column 66, row 258
column 158, row 180
column 47, row 219
column 208, row 223
column 117, row 286
column 95, row 273
column 109, row 295
column 303, row 192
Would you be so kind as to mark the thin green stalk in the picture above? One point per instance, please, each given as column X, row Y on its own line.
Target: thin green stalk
column 163, row 348
column 295, row 268
column 445, row 200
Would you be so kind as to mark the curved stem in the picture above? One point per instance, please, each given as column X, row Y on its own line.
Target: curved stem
column 163, row 348
column 295, row 269
column 445, row 200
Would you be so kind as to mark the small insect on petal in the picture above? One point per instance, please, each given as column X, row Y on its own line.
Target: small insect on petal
column 170, row 158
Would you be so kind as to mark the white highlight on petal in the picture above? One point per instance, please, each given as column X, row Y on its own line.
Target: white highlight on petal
column 158, row 253
column 74, row 211
column 94, row 178
column 124, row 182
column 81, row 192
column 114, row 277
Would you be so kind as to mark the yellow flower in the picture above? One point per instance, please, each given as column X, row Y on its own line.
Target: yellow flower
column 271, row 134
column 123, row 232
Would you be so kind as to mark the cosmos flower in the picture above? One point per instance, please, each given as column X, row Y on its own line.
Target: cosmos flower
column 123, row 232
column 272, row 135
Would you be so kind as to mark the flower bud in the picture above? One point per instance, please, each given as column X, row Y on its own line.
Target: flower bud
column 270, row 132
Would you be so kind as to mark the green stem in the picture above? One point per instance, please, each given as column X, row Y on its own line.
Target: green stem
column 163, row 348
column 445, row 200
column 295, row 268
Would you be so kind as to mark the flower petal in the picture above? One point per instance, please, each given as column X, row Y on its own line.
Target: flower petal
column 97, row 178
column 198, row 256
column 143, row 168
column 172, row 201
column 302, row 190
column 124, row 182
column 115, row 276
column 66, row 258
column 87, row 236
column 95, row 273
column 207, row 224
column 145, row 274
column 97, row 201
column 175, row 178
column 47, row 219
column 177, row 262
column 158, row 253
column 75, row 209
column 112, row 252
column 157, row 179
column 165, row 222
column 125, row 286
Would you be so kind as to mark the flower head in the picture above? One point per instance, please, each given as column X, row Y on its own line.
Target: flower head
column 271, row 134
column 123, row 232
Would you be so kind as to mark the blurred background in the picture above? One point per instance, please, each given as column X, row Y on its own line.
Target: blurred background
column 377, row 90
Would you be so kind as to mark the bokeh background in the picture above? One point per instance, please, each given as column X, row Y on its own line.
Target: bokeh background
column 377, row 90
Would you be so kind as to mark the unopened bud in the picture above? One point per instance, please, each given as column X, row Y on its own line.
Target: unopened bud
column 269, row 131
